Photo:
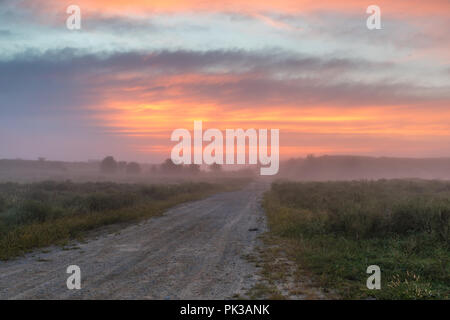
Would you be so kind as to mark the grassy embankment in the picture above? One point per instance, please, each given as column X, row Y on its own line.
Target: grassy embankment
column 335, row 230
column 42, row 214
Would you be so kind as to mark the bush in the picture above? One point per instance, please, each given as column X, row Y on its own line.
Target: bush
column 38, row 195
column 108, row 165
column 34, row 211
column 133, row 168
column 2, row 204
column 105, row 201
column 51, row 186
column 163, row 192
column 411, row 217
column 169, row 167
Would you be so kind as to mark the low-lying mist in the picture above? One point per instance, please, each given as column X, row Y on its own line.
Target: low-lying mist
column 311, row 168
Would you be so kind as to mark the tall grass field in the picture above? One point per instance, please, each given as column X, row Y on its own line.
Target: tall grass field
column 335, row 230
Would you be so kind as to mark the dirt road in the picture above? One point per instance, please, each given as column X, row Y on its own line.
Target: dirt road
column 194, row 251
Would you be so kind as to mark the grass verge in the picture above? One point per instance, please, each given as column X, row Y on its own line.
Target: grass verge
column 335, row 230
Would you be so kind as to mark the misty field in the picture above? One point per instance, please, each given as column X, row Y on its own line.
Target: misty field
column 46, row 213
column 335, row 230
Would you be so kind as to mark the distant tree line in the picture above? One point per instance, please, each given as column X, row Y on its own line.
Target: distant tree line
column 110, row 166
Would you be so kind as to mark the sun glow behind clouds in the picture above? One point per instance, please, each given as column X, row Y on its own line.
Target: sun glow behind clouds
column 316, row 124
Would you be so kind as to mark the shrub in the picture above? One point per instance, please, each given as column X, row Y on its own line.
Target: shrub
column 133, row 168
column 2, row 204
column 157, row 192
column 410, row 217
column 38, row 195
column 104, row 201
column 169, row 167
column 52, row 186
column 33, row 211
column 108, row 165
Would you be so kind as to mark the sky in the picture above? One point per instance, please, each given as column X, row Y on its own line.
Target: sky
column 137, row 70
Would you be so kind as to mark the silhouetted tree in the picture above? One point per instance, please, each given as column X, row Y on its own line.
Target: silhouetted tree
column 108, row 165
column 169, row 167
column 122, row 165
column 133, row 168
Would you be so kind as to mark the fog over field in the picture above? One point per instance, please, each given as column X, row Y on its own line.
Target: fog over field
column 355, row 167
column 311, row 168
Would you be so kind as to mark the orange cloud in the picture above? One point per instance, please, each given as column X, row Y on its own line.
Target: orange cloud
column 303, row 131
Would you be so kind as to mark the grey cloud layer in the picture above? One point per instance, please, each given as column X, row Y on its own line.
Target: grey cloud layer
column 68, row 80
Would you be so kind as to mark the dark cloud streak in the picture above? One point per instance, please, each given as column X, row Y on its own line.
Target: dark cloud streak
column 68, row 80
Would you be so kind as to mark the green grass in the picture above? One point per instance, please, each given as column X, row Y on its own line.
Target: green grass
column 47, row 213
column 335, row 230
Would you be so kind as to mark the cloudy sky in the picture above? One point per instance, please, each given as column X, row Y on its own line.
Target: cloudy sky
column 139, row 69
